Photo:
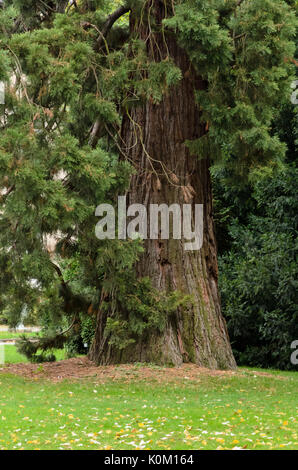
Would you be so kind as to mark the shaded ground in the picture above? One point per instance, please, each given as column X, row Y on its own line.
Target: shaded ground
column 81, row 367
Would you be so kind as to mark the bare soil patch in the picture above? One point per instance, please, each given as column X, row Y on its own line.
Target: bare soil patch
column 79, row 368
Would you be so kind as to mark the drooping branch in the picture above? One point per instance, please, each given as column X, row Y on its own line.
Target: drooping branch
column 112, row 18
column 72, row 303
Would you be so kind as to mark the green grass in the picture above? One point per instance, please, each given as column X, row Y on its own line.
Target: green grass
column 11, row 356
column 225, row 412
column 14, row 335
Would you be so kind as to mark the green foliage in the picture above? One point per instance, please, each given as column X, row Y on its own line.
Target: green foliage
column 52, row 179
column 161, row 76
column 257, row 235
column 87, row 329
column 39, row 350
column 139, row 310
column 243, row 51
column 132, row 307
column 259, row 275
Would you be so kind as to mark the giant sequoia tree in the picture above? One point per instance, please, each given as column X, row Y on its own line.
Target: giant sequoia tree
column 103, row 98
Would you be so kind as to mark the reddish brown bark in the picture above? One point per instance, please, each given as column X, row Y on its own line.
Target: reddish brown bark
column 196, row 334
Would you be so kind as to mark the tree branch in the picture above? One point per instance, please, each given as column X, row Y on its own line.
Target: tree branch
column 8, row 192
column 59, row 272
column 112, row 18
column 95, row 133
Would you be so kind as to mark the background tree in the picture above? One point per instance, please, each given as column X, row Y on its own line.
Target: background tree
column 257, row 233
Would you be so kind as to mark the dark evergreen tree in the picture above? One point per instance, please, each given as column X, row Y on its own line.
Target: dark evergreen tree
column 256, row 227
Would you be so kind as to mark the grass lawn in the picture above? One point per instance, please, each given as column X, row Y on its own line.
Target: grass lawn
column 15, row 335
column 245, row 410
column 11, row 356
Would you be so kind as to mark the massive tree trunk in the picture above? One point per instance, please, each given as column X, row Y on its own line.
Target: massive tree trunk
column 154, row 137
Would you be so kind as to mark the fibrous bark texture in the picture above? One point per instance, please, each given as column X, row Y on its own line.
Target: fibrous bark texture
column 155, row 136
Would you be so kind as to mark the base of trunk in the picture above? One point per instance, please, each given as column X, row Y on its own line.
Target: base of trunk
column 196, row 334
column 166, row 350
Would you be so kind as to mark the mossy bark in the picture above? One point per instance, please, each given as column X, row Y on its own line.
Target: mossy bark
column 154, row 137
